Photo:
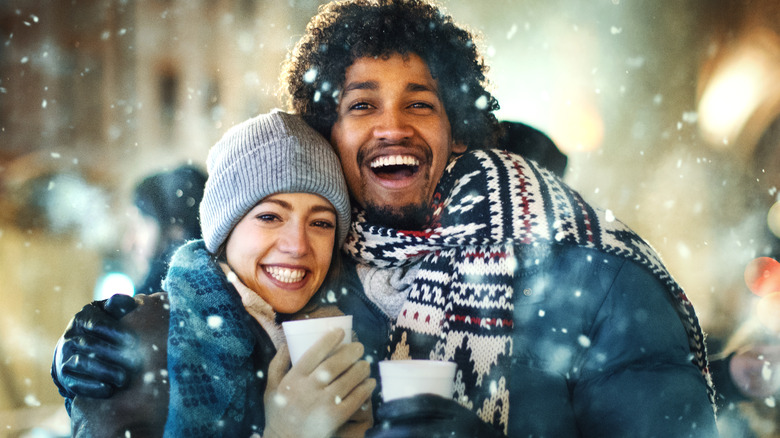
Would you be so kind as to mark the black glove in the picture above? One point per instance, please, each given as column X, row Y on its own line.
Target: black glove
column 94, row 356
column 428, row 416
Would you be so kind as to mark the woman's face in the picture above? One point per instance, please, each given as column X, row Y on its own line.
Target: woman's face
column 283, row 247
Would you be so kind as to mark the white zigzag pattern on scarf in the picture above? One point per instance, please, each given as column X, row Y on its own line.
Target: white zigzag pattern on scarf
column 485, row 296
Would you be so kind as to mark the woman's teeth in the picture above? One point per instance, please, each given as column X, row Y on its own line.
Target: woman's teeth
column 286, row 275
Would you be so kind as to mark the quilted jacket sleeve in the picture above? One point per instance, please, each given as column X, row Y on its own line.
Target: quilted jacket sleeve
column 636, row 377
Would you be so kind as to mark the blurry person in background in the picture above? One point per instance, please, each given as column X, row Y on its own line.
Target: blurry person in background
column 749, row 382
column 746, row 363
column 140, row 410
column 164, row 215
column 533, row 144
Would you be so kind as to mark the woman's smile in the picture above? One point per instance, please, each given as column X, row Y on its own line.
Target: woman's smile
column 285, row 275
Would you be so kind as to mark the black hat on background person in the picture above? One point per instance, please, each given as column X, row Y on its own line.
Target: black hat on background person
column 172, row 199
column 167, row 216
column 533, row 144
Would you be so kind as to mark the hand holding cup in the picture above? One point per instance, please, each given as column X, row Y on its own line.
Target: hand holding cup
column 325, row 387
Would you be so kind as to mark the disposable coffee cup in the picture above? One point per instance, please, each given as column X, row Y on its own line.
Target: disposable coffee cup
column 303, row 333
column 407, row 378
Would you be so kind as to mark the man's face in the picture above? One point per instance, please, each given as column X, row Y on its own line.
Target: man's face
column 392, row 135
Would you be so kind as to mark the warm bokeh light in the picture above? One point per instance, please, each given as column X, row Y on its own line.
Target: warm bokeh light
column 768, row 311
column 773, row 219
column 729, row 100
column 762, row 276
column 737, row 88
column 579, row 128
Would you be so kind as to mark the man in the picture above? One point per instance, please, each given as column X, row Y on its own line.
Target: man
column 561, row 320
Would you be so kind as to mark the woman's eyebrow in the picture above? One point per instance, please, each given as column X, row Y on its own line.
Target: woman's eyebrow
column 288, row 206
column 279, row 202
column 323, row 208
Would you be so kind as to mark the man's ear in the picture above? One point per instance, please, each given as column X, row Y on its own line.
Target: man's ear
column 458, row 148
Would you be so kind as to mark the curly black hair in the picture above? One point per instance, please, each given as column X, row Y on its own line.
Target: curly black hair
column 344, row 31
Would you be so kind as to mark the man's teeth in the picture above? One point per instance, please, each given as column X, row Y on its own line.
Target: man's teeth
column 395, row 160
column 286, row 275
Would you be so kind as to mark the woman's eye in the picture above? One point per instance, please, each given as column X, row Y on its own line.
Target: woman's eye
column 267, row 217
column 324, row 224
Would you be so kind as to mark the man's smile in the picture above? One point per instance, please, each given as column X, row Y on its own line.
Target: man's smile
column 395, row 167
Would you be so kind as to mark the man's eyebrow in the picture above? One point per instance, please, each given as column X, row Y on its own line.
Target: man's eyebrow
column 364, row 85
column 413, row 86
column 373, row 85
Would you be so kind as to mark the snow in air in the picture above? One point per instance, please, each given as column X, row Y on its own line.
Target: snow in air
column 214, row 321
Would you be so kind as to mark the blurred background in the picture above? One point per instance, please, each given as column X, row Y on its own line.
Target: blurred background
column 668, row 112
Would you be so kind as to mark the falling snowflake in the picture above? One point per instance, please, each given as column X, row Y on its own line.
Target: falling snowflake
column 214, row 321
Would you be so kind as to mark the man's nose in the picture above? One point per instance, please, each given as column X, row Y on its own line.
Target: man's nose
column 392, row 125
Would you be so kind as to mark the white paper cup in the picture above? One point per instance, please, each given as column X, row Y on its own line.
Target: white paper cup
column 407, row 378
column 302, row 334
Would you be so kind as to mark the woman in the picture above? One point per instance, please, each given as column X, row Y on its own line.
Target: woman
column 274, row 212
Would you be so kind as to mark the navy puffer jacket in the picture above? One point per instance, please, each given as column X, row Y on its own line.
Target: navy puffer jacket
column 599, row 351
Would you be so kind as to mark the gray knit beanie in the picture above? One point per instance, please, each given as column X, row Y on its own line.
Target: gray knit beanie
column 271, row 153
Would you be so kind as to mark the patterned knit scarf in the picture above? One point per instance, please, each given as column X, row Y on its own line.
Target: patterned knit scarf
column 491, row 211
column 209, row 345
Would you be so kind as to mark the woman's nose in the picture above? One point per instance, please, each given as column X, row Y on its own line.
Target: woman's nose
column 294, row 240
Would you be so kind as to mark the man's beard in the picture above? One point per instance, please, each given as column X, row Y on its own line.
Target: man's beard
column 408, row 217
